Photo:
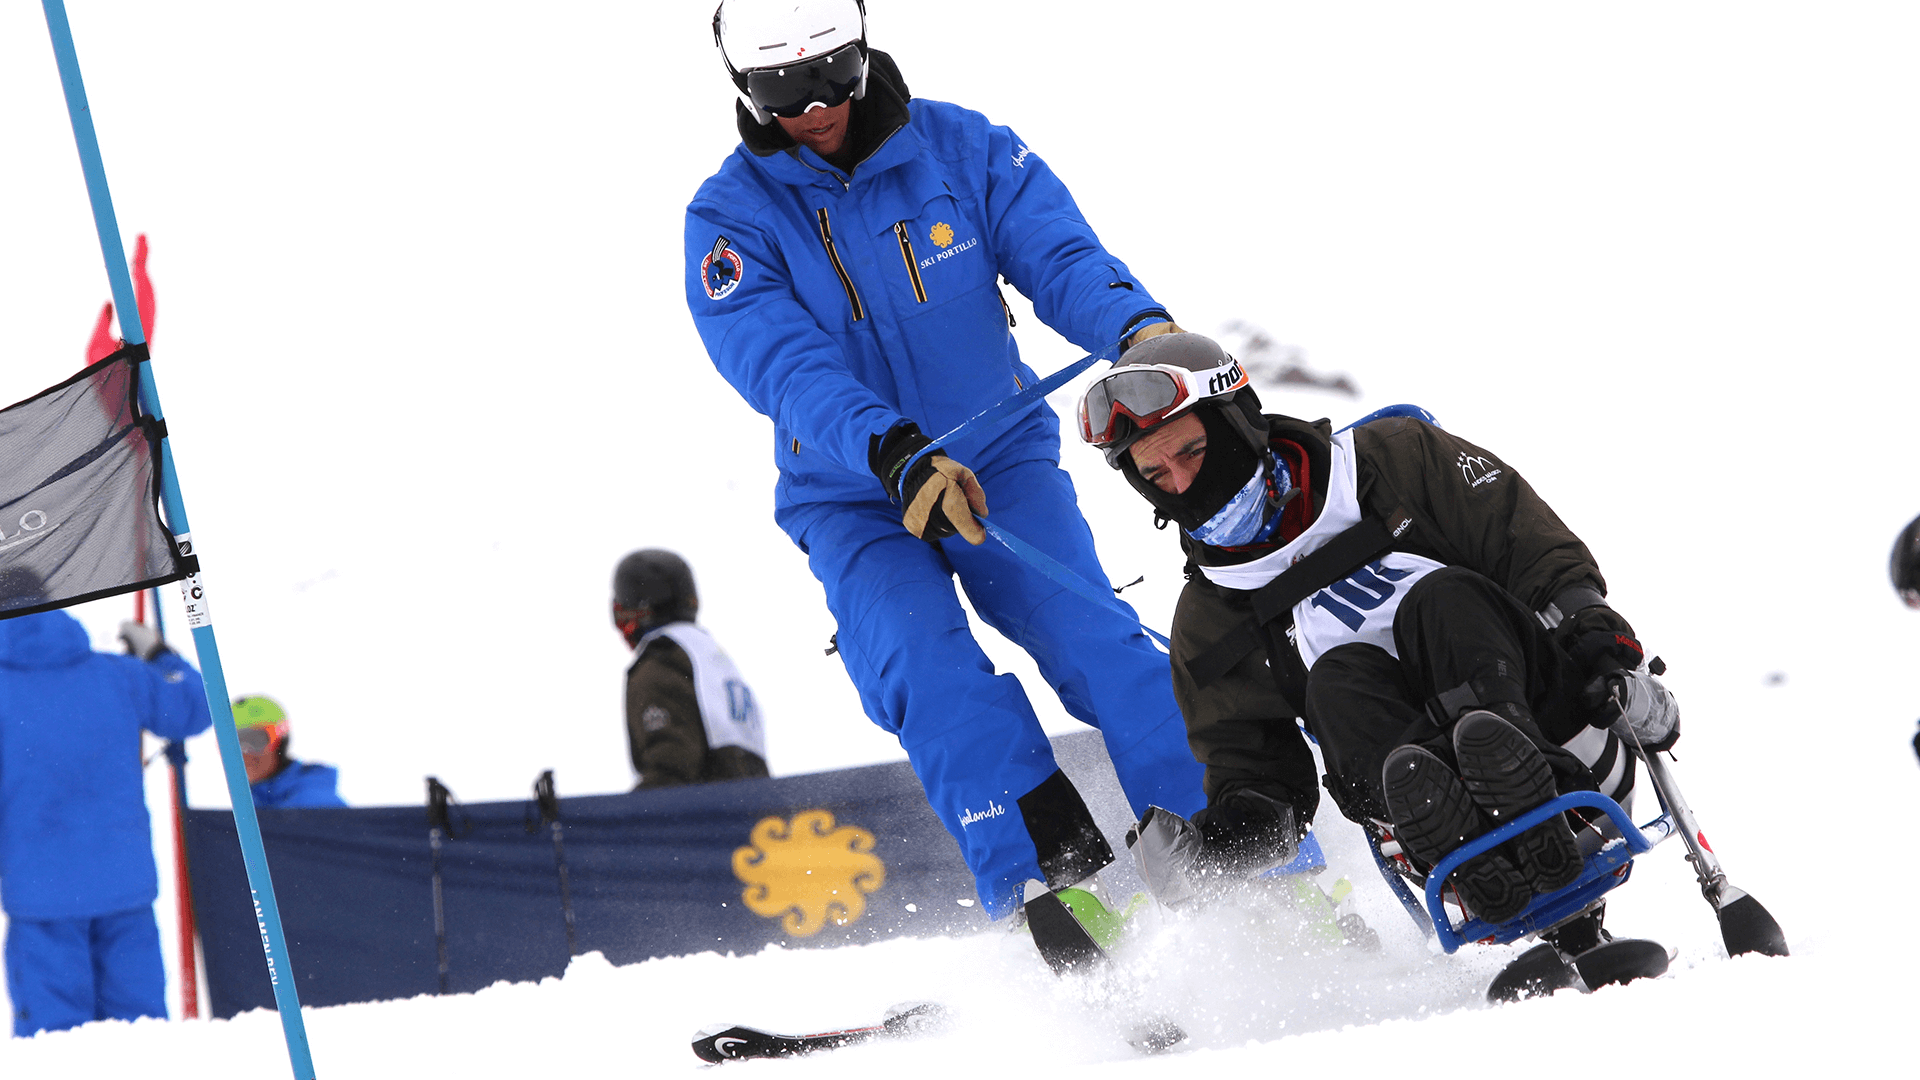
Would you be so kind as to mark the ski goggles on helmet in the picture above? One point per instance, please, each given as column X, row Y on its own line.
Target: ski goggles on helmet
column 259, row 740
column 791, row 89
column 1147, row 394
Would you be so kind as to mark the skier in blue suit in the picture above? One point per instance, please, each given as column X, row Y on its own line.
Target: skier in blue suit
column 76, row 848
column 842, row 269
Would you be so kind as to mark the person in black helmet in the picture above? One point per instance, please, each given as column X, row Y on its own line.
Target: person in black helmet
column 690, row 716
column 1904, row 568
column 1445, row 637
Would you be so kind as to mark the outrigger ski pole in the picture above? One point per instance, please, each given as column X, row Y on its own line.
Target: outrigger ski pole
column 1745, row 926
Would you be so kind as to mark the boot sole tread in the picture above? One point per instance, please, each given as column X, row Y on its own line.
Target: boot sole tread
column 1506, row 775
column 1433, row 814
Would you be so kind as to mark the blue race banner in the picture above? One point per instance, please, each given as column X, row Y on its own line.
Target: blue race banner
column 826, row 859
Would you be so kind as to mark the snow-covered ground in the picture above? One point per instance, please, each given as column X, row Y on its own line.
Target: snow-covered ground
column 425, row 359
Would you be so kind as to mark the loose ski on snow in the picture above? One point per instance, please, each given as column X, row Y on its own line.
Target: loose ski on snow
column 744, row 1043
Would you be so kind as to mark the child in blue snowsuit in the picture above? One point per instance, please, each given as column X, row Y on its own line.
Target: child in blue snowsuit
column 77, row 878
column 277, row 780
column 848, row 289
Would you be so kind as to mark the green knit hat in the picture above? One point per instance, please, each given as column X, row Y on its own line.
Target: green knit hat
column 257, row 711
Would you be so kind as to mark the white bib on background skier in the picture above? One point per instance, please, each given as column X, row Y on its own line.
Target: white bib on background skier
column 727, row 707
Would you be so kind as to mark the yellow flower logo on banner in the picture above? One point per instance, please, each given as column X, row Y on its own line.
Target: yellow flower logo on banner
column 808, row 873
column 942, row 234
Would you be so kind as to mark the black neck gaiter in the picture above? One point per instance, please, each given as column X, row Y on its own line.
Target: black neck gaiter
column 1229, row 464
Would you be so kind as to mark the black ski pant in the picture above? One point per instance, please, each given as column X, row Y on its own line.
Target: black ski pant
column 1465, row 643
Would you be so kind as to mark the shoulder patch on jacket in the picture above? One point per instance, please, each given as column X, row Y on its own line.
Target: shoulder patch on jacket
column 722, row 269
column 1476, row 470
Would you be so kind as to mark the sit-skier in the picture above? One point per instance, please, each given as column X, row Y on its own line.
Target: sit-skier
column 1457, row 661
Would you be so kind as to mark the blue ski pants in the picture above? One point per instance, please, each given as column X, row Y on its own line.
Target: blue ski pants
column 62, row 973
column 971, row 735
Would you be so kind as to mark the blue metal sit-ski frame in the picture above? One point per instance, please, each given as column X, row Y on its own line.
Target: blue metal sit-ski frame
column 1745, row 925
column 1605, row 870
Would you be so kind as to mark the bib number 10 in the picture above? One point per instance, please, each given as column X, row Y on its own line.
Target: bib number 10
column 1364, row 590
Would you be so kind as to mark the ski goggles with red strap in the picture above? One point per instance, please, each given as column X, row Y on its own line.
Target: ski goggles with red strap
column 265, row 737
column 1147, row 394
column 792, row 89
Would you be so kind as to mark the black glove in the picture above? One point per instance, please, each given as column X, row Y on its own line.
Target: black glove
column 1246, row 831
column 1600, row 640
column 941, row 495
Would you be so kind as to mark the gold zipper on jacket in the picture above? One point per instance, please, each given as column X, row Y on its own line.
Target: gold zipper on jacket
column 833, row 256
column 913, row 267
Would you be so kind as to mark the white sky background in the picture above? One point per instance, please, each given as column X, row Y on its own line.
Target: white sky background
column 424, row 353
column 425, row 357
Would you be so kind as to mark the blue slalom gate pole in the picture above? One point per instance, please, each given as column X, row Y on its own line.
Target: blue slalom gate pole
column 266, row 909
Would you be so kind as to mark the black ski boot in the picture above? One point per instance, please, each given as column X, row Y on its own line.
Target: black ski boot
column 1507, row 776
column 1433, row 814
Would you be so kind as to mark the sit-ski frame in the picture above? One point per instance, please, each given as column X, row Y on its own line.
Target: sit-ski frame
column 1605, row 870
column 1745, row 925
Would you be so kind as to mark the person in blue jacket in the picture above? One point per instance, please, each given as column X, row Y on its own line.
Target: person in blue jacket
column 278, row 780
column 77, row 878
column 843, row 270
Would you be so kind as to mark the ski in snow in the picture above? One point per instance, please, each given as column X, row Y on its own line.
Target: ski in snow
column 743, row 1043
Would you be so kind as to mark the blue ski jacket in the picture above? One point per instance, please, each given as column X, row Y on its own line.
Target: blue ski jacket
column 840, row 304
column 75, row 841
column 300, row 784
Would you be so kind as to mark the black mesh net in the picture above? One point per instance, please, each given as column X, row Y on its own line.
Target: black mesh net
column 80, row 493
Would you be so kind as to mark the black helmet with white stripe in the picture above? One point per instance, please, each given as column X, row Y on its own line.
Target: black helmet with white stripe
column 1160, row 381
column 1148, row 388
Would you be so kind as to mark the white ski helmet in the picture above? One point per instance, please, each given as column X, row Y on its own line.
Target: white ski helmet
column 788, row 56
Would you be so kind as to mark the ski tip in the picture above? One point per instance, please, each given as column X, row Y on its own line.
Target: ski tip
column 740, row 1043
column 744, row 1043
column 714, row 1047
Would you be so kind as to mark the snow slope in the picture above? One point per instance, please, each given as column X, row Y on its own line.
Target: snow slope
column 424, row 354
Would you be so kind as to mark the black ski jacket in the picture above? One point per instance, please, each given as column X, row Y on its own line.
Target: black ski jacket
column 1461, row 505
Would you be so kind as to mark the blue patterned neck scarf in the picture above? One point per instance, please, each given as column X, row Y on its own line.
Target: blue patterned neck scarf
column 1246, row 519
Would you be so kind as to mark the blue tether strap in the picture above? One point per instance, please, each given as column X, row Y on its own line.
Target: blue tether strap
column 1019, row 400
column 1061, row 573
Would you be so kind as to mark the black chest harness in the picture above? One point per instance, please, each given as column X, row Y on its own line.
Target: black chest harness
column 1273, row 605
